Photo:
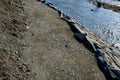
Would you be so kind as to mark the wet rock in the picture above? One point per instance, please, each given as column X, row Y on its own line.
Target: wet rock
column 117, row 45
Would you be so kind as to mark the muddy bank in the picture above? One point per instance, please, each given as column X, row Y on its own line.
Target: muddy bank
column 107, row 5
column 12, row 27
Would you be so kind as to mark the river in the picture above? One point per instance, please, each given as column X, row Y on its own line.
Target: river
column 103, row 22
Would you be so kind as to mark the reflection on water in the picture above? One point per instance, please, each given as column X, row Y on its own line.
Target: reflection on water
column 105, row 23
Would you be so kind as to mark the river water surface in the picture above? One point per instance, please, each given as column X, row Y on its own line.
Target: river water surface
column 103, row 22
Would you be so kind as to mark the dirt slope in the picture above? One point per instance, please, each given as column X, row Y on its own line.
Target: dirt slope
column 51, row 50
column 12, row 27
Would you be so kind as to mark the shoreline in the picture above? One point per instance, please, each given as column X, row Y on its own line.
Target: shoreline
column 91, row 34
column 106, row 29
column 109, row 51
column 39, row 43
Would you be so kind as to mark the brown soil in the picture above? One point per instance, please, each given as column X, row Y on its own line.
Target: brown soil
column 12, row 27
column 35, row 44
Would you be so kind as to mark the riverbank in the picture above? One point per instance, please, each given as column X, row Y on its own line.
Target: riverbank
column 37, row 45
column 101, row 21
column 53, row 52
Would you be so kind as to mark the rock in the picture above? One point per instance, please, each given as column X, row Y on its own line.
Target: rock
column 117, row 45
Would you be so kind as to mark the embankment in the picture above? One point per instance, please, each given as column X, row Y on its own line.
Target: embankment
column 12, row 28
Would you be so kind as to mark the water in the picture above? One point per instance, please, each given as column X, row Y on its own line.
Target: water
column 103, row 22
